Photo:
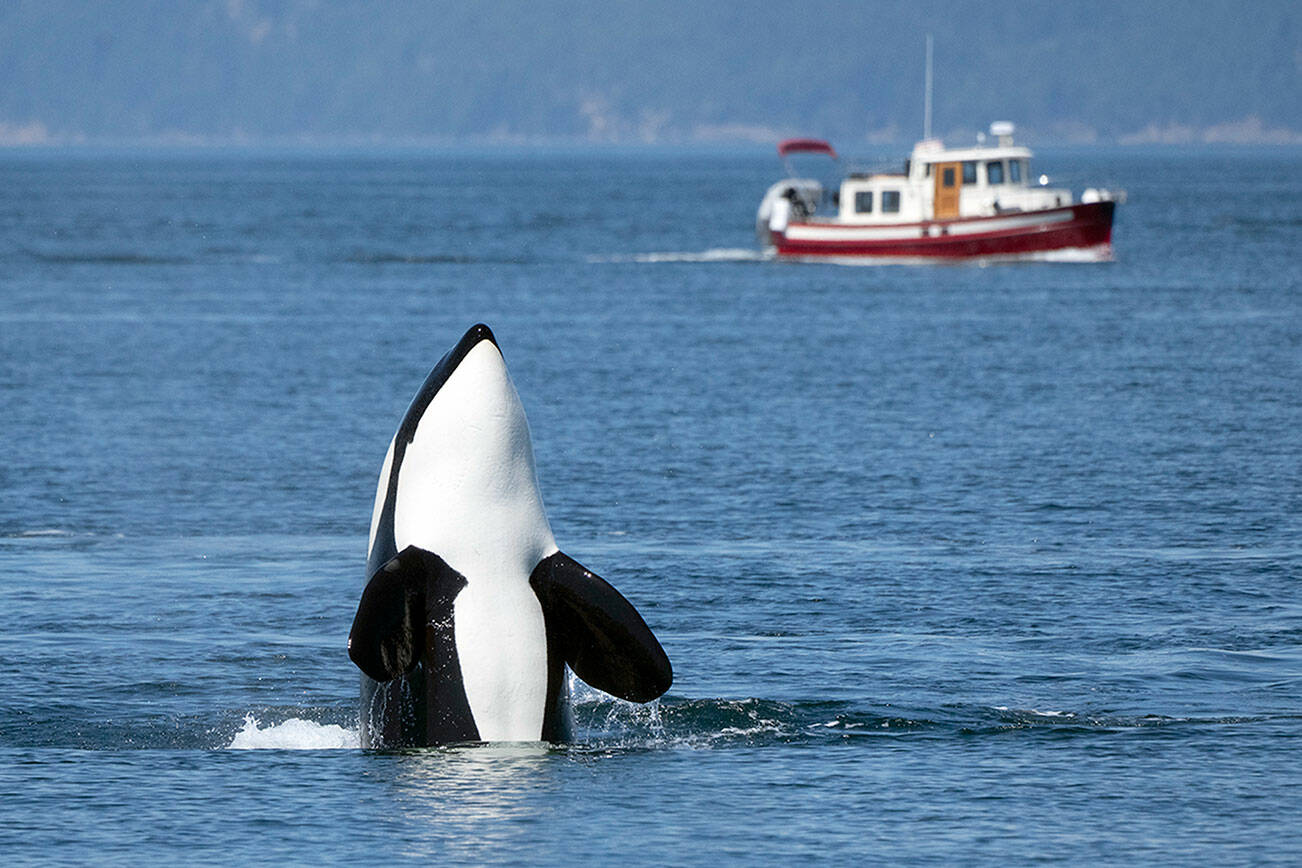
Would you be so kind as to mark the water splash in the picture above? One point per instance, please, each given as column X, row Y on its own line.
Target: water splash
column 293, row 734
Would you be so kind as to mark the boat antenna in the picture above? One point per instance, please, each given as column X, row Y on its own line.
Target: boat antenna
column 926, row 105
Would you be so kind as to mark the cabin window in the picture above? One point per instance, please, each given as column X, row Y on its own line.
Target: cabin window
column 995, row 171
column 863, row 202
column 890, row 201
column 969, row 171
column 1015, row 171
column 947, row 177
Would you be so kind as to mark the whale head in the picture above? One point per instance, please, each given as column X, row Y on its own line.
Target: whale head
column 459, row 477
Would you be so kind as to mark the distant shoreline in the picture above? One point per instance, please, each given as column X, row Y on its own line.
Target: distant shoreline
column 1249, row 133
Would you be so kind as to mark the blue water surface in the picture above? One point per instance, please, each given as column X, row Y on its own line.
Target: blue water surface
column 954, row 563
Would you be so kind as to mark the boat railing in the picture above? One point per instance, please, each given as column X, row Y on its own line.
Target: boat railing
column 876, row 167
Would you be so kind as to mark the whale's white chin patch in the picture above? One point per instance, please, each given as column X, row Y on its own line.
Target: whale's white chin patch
column 468, row 489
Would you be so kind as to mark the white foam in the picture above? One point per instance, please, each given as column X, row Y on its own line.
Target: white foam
column 1034, row 711
column 715, row 254
column 1099, row 253
column 293, row 734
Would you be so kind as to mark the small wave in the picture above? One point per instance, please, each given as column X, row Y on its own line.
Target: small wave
column 722, row 723
column 109, row 257
column 367, row 258
column 1034, row 712
column 718, row 254
column 41, row 534
column 293, row 734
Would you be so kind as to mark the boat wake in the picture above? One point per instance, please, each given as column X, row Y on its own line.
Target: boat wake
column 717, row 254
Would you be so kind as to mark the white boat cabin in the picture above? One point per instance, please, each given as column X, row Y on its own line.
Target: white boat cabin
column 940, row 183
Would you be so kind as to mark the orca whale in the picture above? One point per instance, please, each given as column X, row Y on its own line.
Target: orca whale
column 471, row 613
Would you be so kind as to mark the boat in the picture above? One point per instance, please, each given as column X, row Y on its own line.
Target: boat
column 967, row 203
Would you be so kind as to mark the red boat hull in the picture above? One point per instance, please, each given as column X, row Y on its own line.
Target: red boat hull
column 1086, row 226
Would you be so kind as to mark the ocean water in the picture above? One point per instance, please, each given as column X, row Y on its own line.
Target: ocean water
column 954, row 563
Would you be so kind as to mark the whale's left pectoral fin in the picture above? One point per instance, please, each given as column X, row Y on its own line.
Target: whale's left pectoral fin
column 598, row 632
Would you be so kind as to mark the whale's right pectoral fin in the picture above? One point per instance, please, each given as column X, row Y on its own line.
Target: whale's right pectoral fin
column 599, row 633
column 388, row 635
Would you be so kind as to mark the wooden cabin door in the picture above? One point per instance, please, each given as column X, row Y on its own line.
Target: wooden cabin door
column 948, row 183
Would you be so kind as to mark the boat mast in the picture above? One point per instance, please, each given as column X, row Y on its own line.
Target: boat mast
column 926, row 105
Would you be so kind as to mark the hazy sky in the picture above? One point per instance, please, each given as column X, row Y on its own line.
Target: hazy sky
column 654, row 71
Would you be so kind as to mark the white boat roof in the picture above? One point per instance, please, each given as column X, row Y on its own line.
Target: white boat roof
column 934, row 151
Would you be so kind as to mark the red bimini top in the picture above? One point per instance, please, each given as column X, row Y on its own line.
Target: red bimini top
column 805, row 146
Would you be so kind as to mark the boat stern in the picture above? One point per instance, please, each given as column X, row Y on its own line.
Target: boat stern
column 787, row 200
